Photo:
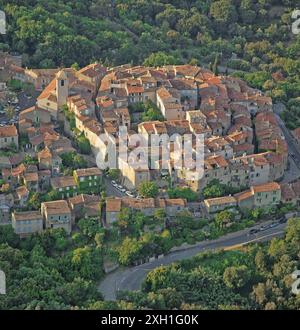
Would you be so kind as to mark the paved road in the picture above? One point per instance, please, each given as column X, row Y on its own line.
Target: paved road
column 131, row 278
column 112, row 191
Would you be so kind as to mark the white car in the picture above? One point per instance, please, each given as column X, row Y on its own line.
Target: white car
column 114, row 183
column 129, row 193
column 121, row 188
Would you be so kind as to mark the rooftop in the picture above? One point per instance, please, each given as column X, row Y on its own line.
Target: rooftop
column 56, row 207
column 24, row 216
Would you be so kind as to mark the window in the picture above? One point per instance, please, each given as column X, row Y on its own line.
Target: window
column 62, row 83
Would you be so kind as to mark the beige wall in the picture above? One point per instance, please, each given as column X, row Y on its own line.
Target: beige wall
column 266, row 199
column 5, row 142
column 28, row 226
column 49, row 106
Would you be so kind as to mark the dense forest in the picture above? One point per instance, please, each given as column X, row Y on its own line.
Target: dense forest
column 251, row 37
column 52, row 271
column 258, row 277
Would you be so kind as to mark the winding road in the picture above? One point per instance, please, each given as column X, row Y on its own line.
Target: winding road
column 130, row 279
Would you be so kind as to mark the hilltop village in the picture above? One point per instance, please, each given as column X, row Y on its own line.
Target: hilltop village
column 49, row 176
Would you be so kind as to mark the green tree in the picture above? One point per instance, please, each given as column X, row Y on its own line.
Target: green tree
column 148, row 189
column 160, row 59
column 236, row 277
column 129, row 251
column 224, row 218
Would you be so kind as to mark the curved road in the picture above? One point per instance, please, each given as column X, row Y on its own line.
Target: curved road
column 130, row 279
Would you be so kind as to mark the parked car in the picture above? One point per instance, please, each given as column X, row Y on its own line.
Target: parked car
column 129, row 193
column 121, row 188
column 264, row 227
column 283, row 220
column 253, row 231
column 114, row 183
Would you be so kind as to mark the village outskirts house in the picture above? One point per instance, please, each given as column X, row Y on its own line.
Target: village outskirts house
column 57, row 214
column 84, row 205
column 260, row 196
column 89, row 180
column 146, row 206
column 8, row 137
column 214, row 205
column 65, row 186
column 26, row 223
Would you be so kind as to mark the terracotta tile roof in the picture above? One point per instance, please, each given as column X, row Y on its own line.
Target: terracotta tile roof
column 88, row 172
column 113, row 205
column 31, row 177
column 244, row 195
column 187, row 70
column 48, row 90
column 8, row 131
column 17, row 68
column 45, row 153
column 220, row 201
column 138, row 203
column 183, row 84
column 56, row 207
column 134, row 89
column 31, row 215
column 266, row 187
column 83, row 199
column 215, row 161
column 246, row 147
column 93, row 70
column 63, row 182
column 167, row 202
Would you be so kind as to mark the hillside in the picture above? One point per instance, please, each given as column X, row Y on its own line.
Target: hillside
column 251, row 37
column 258, row 277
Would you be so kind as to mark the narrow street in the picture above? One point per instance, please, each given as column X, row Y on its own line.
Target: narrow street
column 293, row 173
